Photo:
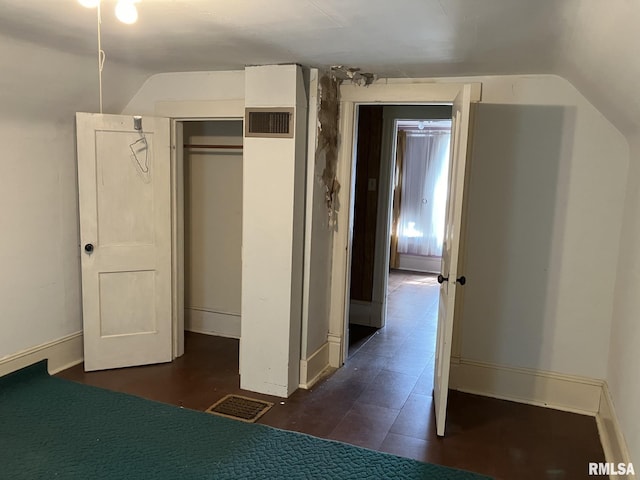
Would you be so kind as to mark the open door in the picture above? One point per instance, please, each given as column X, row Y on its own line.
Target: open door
column 125, row 234
column 450, row 278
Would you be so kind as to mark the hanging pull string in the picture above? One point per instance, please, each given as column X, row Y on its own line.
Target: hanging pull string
column 101, row 58
column 101, row 55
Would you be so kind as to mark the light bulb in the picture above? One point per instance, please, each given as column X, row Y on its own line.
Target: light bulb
column 126, row 11
column 89, row 3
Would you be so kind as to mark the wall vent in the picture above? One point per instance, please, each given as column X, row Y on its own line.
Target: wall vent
column 268, row 122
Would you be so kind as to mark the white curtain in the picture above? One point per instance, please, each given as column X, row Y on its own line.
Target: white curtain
column 424, row 194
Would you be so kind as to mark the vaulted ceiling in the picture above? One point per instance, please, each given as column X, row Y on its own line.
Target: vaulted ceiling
column 595, row 44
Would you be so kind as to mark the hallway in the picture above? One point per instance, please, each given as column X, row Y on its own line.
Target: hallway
column 381, row 399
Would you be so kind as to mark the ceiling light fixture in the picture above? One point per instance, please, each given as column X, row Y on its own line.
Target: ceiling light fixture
column 126, row 10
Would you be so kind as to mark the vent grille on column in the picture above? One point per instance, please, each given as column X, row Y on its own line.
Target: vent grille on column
column 268, row 122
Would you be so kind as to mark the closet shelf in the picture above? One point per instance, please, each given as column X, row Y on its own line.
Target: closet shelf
column 234, row 147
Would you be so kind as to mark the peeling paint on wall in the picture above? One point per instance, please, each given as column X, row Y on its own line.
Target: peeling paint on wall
column 328, row 117
column 354, row 75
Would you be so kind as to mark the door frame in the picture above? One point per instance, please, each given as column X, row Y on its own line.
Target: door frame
column 391, row 92
column 178, row 112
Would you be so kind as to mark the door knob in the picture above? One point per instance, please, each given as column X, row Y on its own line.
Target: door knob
column 462, row 280
column 88, row 248
column 442, row 279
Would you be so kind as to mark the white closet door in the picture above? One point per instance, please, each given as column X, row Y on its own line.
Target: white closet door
column 125, row 234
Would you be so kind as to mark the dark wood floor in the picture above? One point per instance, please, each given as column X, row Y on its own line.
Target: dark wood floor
column 381, row 399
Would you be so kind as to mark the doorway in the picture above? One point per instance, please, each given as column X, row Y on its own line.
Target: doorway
column 212, row 218
column 396, row 146
column 460, row 97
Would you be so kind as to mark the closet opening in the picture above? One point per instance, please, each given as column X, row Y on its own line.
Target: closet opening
column 212, row 227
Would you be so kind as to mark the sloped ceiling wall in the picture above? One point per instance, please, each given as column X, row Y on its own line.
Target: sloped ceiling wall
column 593, row 44
column 43, row 83
column 600, row 54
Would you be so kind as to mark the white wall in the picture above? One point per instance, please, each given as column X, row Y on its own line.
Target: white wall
column 40, row 90
column 186, row 87
column 548, row 178
column 40, row 275
column 318, row 236
column 320, row 274
column 213, row 228
column 624, row 367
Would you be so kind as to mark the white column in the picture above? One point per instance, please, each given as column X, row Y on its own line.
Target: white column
column 272, row 237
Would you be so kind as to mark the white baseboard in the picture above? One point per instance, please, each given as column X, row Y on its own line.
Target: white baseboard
column 417, row 263
column 312, row 369
column 611, row 437
column 547, row 389
column 335, row 350
column 61, row 354
column 210, row 322
column 365, row 313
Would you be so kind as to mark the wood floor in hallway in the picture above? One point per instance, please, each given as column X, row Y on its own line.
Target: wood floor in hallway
column 381, row 399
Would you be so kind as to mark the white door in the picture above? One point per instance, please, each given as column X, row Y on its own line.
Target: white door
column 450, row 254
column 125, row 234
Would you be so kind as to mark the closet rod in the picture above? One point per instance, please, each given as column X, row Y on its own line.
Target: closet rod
column 188, row 145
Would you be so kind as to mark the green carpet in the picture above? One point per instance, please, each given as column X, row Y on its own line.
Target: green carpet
column 56, row 429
